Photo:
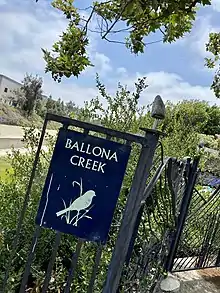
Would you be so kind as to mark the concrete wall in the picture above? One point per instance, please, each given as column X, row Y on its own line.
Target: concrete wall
column 12, row 136
column 8, row 131
column 7, row 143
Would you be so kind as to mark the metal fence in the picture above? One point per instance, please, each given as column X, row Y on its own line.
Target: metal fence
column 199, row 245
column 177, row 228
column 156, row 226
column 161, row 223
column 105, row 267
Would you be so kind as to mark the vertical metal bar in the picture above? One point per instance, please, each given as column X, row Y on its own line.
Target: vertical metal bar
column 170, row 184
column 30, row 259
column 95, row 268
column 183, row 214
column 73, row 266
column 146, row 194
column 54, row 251
column 214, row 235
column 205, row 244
column 134, row 235
column 51, row 263
column 24, row 207
column 217, row 263
column 130, row 214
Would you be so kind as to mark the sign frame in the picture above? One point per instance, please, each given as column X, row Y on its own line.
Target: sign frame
column 93, row 169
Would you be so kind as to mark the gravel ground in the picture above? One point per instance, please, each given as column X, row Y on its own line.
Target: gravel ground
column 202, row 281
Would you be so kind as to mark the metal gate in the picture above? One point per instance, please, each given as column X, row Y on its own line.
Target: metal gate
column 98, row 277
column 161, row 223
column 177, row 228
column 198, row 245
column 150, row 248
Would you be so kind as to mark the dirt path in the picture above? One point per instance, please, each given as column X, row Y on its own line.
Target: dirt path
column 202, row 281
column 11, row 131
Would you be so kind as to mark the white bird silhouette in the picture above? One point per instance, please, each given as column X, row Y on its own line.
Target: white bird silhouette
column 81, row 203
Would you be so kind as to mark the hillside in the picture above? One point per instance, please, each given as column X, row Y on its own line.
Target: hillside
column 12, row 116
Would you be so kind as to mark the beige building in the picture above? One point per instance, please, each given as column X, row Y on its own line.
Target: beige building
column 7, row 86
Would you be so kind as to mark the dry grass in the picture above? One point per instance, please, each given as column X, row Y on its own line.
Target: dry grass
column 12, row 116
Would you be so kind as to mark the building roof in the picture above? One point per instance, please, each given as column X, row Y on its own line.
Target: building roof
column 8, row 78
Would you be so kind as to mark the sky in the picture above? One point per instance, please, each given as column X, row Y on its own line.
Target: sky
column 174, row 71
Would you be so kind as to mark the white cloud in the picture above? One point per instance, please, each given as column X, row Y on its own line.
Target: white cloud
column 200, row 36
column 103, row 63
column 216, row 5
column 70, row 91
column 22, row 36
column 121, row 71
column 197, row 39
column 171, row 87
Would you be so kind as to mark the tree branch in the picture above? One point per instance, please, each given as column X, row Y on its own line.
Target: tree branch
column 162, row 32
column 88, row 20
column 117, row 19
column 121, row 30
column 113, row 41
column 153, row 42
column 84, row 9
column 123, row 43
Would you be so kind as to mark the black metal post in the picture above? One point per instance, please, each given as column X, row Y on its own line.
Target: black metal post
column 183, row 214
column 51, row 262
column 74, row 262
column 30, row 260
column 146, row 194
column 217, row 264
column 130, row 214
column 134, row 235
column 98, row 255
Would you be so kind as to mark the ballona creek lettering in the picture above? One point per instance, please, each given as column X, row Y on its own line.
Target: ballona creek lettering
column 80, row 161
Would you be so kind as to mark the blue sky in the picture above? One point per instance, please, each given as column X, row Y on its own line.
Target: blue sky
column 175, row 71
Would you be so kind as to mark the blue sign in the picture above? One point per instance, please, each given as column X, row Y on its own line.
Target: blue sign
column 83, row 185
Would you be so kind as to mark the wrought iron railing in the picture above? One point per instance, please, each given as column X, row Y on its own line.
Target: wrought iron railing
column 155, row 226
column 78, row 252
column 199, row 243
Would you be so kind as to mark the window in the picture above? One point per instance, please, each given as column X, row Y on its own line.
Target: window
column 5, row 90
